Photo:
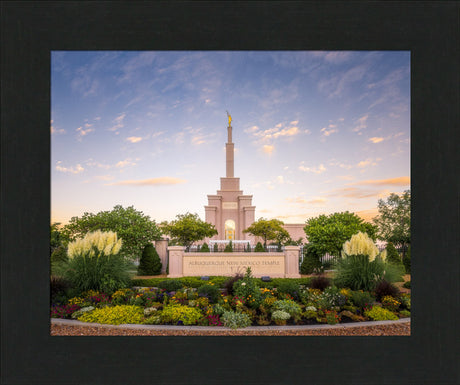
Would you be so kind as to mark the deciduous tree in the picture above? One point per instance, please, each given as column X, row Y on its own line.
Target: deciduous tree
column 134, row 227
column 188, row 228
column 327, row 233
column 268, row 229
column 393, row 221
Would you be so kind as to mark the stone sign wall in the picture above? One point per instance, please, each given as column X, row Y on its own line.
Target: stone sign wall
column 276, row 265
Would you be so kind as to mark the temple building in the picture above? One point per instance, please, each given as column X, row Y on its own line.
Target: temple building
column 230, row 211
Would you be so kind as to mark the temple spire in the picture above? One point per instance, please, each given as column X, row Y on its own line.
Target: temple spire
column 229, row 147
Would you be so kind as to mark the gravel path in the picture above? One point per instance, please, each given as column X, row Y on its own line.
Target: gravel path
column 397, row 328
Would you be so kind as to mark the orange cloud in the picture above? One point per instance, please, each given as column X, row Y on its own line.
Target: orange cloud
column 401, row 181
column 375, row 140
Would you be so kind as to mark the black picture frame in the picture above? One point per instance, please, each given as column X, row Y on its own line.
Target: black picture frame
column 31, row 30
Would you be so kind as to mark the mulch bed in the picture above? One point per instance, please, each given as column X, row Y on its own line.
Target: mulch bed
column 400, row 329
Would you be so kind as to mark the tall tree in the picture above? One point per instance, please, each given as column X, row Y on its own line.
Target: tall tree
column 188, row 228
column 393, row 221
column 328, row 233
column 134, row 227
column 268, row 230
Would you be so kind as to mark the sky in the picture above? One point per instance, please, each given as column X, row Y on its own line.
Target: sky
column 315, row 132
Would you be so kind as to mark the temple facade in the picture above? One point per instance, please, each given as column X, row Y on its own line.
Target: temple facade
column 229, row 210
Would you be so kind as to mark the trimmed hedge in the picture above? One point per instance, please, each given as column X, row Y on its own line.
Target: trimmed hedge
column 219, row 281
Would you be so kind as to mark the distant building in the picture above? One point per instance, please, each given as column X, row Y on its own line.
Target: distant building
column 231, row 211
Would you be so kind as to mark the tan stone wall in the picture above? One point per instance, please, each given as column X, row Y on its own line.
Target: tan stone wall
column 228, row 264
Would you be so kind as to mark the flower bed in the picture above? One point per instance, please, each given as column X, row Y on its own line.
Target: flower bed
column 243, row 304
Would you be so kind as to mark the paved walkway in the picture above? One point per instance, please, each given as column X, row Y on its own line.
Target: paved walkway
column 59, row 321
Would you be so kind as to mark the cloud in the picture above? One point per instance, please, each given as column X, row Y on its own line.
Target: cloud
column 365, row 163
column 400, row 181
column 125, row 163
column 56, row 131
column 149, row 182
column 280, row 179
column 134, row 139
column 317, row 170
column 118, row 122
column 326, row 131
column 361, row 124
column 268, row 149
column 72, row 170
column 197, row 140
column 376, row 139
column 355, row 193
column 367, row 215
column 82, row 132
column 279, row 130
column 296, row 200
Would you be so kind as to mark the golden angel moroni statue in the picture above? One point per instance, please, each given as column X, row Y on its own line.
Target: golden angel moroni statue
column 229, row 119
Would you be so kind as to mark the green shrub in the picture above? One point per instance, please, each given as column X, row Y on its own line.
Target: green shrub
column 280, row 317
column 320, row 282
column 180, row 313
column 331, row 297
column 215, row 248
column 58, row 257
column 235, row 320
column 289, row 287
column 150, row 263
column 247, row 249
column 194, row 282
column 209, row 291
column 392, row 255
column 404, row 298
column 288, row 306
column 229, row 283
column 171, row 284
column 229, row 248
column 362, row 299
column 59, row 289
column 406, row 261
column 218, row 281
column 259, row 248
column 407, row 285
column 311, row 262
column 378, row 313
column 204, row 248
column 405, row 313
column 248, row 289
column 115, row 315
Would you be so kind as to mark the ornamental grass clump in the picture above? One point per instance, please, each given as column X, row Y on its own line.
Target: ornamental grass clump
column 95, row 264
column 362, row 266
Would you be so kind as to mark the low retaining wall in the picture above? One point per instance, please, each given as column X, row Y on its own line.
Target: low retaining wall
column 275, row 265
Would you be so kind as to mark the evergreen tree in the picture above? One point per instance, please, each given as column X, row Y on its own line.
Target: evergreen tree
column 204, row 248
column 248, row 248
column 311, row 262
column 259, row 248
column 216, row 248
column 150, row 263
column 229, row 248
column 392, row 254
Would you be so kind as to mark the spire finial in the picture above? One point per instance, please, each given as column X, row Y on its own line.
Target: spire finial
column 229, row 119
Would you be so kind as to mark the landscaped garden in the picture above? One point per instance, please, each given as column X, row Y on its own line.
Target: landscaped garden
column 95, row 289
